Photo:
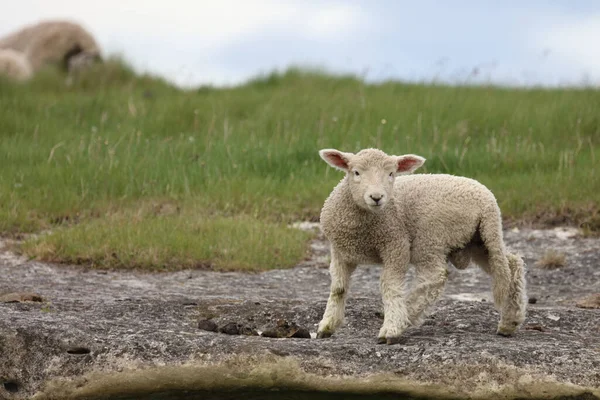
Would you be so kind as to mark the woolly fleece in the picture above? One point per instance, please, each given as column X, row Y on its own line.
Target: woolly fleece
column 52, row 42
column 14, row 64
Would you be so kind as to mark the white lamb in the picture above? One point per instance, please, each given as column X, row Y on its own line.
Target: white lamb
column 54, row 42
column 374, row 216
column 15, row 65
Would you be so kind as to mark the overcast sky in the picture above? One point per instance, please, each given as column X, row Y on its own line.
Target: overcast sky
column 225, row 41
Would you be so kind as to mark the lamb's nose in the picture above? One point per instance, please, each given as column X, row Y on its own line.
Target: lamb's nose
column 376, row 197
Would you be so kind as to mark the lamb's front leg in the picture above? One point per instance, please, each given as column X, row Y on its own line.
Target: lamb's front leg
column 395, row 319
column 333, row 317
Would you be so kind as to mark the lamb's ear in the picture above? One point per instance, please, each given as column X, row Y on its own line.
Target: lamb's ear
column 336, row 158
column 408, row 163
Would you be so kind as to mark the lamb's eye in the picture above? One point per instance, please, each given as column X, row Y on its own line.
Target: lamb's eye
column 356, row 173
column 391, row 174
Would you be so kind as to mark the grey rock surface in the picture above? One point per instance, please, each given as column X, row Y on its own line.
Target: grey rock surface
column 97, row 330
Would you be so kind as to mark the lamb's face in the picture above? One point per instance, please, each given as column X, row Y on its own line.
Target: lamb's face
column 371, row 174
column 81, row 61
column 371, row 181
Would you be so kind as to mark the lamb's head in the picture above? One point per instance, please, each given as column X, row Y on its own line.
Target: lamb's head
column 77, row 59
column 81, row 61
column 370, row 173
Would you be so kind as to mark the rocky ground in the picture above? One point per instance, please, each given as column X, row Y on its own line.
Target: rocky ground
column 75, row 333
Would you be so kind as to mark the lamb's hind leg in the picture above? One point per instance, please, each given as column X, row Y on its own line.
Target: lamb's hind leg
column 512, row 303
column 514, row 310
column 431, row 276
column 333, row 317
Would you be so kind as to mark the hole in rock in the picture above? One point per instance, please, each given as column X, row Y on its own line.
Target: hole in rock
column 78, row 350
column 11, row 387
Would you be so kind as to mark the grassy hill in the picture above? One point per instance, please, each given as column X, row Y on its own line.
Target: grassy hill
column 128, row 171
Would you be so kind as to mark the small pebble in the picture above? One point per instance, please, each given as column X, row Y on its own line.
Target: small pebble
column 301, row 333
column 248, row 330
column 535, row 327
column 230, row 329
column 233, row 328
column 207, row 325
column 284, row 329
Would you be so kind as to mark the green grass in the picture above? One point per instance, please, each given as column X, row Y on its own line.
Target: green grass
column 77, row 159
column 162, row 242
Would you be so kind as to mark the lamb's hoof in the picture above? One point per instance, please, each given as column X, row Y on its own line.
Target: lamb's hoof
column 506, row 331
column 393, row 340
column 502, row 333
column 417, row 322
column 388, row 341
column 323, row 335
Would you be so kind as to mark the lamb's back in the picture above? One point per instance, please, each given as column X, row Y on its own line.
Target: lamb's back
column 435, row 202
